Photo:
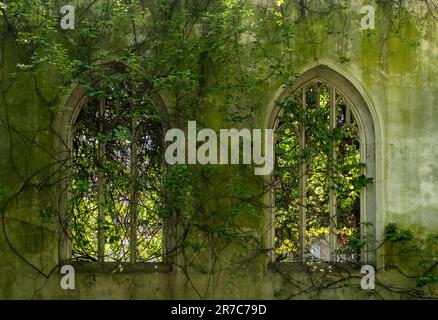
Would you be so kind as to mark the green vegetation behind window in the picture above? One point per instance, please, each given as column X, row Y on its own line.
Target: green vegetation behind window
column 318, row 177
column 116, row 182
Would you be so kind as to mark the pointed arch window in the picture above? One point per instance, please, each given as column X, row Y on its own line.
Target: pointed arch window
column 322, row 183
column 116, row 188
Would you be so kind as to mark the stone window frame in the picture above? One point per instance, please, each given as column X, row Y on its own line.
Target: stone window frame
column 67, row 118
column 367, row 134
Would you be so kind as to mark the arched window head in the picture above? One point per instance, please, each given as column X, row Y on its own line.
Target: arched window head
column 320, row 176
column 116, row 176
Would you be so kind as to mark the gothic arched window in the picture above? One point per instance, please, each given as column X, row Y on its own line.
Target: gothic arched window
column 322, row 174
column 116, row 188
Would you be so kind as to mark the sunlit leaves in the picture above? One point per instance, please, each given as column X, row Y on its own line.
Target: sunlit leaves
column 103, row 167
column 310, row 124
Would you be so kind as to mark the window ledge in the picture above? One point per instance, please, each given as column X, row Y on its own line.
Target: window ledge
column 302, row 267
column 119, row 267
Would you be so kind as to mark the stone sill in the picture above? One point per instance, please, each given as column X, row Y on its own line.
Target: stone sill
column 301, row 267
column 119, row 267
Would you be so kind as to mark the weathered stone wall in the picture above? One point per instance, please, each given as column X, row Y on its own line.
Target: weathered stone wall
column 395, row 70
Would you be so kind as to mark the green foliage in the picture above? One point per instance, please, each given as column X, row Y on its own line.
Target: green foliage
column 117, row 171
column 47, row 215
column 220, row 55
column 179, row 187
column 305, row 138
column 393, row 233
column 427, row 279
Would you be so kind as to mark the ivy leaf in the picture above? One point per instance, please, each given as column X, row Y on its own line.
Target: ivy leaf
column 81, row 185
column 393, row 234
column 47, row 215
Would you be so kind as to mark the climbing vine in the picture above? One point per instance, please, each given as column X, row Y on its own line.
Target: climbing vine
column 206, row 57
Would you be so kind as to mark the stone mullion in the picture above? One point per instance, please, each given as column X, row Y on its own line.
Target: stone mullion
column 133, row 212
column 332, row 183
column 101, row 184
column 303, row 185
